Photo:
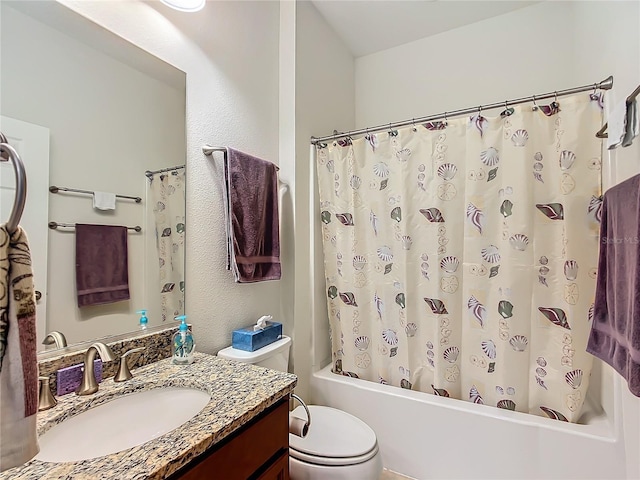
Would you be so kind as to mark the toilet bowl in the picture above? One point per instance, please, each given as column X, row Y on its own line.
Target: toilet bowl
column 339, row 446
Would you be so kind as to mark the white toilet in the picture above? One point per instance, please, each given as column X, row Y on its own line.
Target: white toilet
column 338, row 446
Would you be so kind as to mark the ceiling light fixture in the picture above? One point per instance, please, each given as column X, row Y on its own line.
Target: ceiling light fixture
column 185, row 5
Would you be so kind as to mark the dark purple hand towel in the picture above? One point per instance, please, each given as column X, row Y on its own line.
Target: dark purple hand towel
column 102, row 269
column 615, row 331
column 252, row 217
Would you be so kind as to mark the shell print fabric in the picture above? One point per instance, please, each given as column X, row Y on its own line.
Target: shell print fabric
column 460, row 255
column 168, row 193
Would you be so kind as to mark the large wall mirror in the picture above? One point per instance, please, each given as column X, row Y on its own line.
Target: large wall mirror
column 89, row 111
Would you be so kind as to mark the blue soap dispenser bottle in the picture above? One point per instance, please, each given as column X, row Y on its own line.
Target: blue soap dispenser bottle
column 143, row 319
column 183, row 343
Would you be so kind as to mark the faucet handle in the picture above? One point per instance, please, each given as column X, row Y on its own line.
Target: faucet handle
column 123, row 370
column 56, row 338
column 46, row 400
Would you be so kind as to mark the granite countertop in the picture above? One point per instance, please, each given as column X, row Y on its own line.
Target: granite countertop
column 239, row 392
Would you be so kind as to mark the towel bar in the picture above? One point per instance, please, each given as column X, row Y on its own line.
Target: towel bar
column 54, row 189
column 55, row 225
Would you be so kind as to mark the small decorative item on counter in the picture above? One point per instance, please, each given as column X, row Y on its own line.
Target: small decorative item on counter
column 183, row 343
column 257, row 336
column 143, row 319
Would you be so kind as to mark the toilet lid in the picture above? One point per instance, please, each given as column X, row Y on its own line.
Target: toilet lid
column 333, row 433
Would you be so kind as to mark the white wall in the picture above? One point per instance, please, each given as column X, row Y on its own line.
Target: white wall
column 108, row 122
column 513, row 55
column 324, row 100
column 544, row 47
column 229, row 51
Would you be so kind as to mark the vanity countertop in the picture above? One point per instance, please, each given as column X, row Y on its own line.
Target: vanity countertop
column 239, row 392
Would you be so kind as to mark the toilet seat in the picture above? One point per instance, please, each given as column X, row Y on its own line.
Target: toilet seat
column 335, row 438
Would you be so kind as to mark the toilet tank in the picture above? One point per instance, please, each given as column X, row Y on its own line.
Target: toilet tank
column 274, row 356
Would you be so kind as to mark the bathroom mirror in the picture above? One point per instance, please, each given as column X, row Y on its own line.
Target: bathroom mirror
column 89, row 111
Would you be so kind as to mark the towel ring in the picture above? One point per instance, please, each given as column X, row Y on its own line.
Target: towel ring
column 10, row 154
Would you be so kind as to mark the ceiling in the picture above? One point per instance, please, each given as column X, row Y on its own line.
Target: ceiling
column 373, row 25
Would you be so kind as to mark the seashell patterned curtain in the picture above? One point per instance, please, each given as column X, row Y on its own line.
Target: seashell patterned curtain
column 460, row 258
column 168, row 195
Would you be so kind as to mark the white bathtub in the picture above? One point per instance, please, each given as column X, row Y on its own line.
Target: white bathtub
column 429, row 437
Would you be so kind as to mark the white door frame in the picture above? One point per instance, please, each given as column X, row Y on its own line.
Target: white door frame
column 32, row 144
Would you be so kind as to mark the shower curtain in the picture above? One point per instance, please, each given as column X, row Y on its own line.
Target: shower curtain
column 460, row 256
column 168, row 194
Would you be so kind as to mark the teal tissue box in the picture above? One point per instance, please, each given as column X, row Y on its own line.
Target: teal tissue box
column 249, row 340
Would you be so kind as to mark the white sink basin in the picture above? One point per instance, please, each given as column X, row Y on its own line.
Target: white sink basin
column 120, row 424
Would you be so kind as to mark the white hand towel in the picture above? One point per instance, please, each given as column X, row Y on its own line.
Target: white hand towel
column 104, row 201
column 616, row 127
column 632, row 128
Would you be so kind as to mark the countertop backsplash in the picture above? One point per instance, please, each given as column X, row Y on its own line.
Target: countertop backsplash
column 156, row 343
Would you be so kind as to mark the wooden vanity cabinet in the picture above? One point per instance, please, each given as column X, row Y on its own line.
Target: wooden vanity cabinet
column 259, row 450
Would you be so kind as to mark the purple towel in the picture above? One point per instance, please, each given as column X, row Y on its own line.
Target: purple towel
column 253, row 235
column 615, row 331
column 102, row 270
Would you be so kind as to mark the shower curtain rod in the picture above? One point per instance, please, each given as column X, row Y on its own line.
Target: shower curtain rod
column 605, row 84
column 150, row 173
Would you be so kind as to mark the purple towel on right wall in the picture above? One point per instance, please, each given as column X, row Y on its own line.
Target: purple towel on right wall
column 615, row 330
column 102, row 268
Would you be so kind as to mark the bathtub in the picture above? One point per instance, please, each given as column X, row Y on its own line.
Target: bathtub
column 429, row 437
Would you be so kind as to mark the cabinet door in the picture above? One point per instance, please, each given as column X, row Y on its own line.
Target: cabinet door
column 279, row 470
column 248, row 451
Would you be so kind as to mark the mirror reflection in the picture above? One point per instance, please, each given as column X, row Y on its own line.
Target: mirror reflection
column 91, row 112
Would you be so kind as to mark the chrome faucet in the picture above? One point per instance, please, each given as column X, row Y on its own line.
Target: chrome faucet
column 89, row 384
column 55, row 337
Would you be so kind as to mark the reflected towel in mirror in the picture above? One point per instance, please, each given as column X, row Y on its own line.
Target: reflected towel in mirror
column 104, row 201
column 102, row 270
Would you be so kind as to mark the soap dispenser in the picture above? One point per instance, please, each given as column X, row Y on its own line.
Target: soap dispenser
column 143, row 319
column 183, row 343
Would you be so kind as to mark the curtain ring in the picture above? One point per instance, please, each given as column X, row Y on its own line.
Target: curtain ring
column 535, row 105
column 479, row 109
column 506, row 112
column 555, row 97
column 446, row 122
column 413, row 122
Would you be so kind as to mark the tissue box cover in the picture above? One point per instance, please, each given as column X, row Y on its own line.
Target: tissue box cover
column 249, row 341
